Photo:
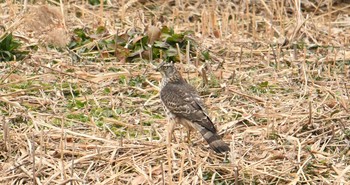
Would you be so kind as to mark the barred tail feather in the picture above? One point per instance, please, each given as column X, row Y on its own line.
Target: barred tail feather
column 214, row 140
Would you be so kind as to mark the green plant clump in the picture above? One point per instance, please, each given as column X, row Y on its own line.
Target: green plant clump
column 9, row 49
column 134, row 45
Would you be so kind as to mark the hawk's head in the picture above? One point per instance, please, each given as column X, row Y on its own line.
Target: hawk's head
column 167, row 69
column 169, row 72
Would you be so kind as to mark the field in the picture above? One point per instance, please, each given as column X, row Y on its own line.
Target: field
column 79, row 93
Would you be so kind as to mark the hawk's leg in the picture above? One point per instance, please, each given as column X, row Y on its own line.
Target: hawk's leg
column 188, row 136
column 171, row 125
column 189, row 130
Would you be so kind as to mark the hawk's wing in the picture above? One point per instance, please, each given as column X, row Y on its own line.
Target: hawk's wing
column 183, row 101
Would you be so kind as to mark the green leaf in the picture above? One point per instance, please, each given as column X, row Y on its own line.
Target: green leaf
column 175, row 38
column 79, row 104
column 5, row 56
column 101, row 29
column 81, row 34
column 206, row 55
column 9, row 49
column 5, row 43
column 72, row 44
column 171, row 52
column 161, row 44
column 167, row 30
column 107, row 90
column 95, row 2
column 264, row 84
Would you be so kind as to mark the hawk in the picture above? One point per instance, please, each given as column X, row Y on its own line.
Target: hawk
column 183, row 105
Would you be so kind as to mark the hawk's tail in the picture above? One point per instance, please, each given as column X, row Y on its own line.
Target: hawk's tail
column 214, row 140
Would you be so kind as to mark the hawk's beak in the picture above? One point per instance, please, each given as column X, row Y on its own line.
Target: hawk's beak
column 154, row 66
column 160, row 65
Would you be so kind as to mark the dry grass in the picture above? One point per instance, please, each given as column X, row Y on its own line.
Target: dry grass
column 278, row 89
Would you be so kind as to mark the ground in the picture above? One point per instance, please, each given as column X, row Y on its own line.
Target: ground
column 79, row 96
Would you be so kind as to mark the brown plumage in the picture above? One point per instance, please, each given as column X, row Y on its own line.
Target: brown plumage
column 183, row 105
